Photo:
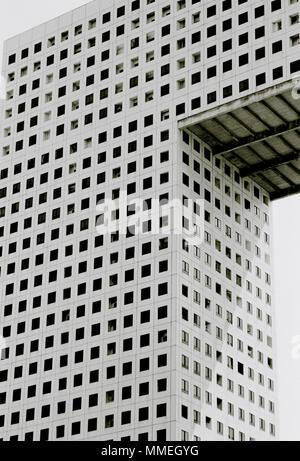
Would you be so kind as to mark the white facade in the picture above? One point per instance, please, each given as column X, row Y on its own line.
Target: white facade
column 135, row 337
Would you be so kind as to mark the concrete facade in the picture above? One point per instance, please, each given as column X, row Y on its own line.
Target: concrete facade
column 136, row 337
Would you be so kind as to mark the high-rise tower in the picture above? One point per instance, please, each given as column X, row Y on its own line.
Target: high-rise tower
column 144, row 335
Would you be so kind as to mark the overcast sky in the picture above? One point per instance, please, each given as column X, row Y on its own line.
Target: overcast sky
column 19, row 15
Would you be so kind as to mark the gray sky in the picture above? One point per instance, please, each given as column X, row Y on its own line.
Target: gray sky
column 19, row 15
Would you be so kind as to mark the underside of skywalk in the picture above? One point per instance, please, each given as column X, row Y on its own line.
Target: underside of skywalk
column 259, row 134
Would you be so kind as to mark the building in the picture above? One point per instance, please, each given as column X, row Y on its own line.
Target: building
column 145, row 336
